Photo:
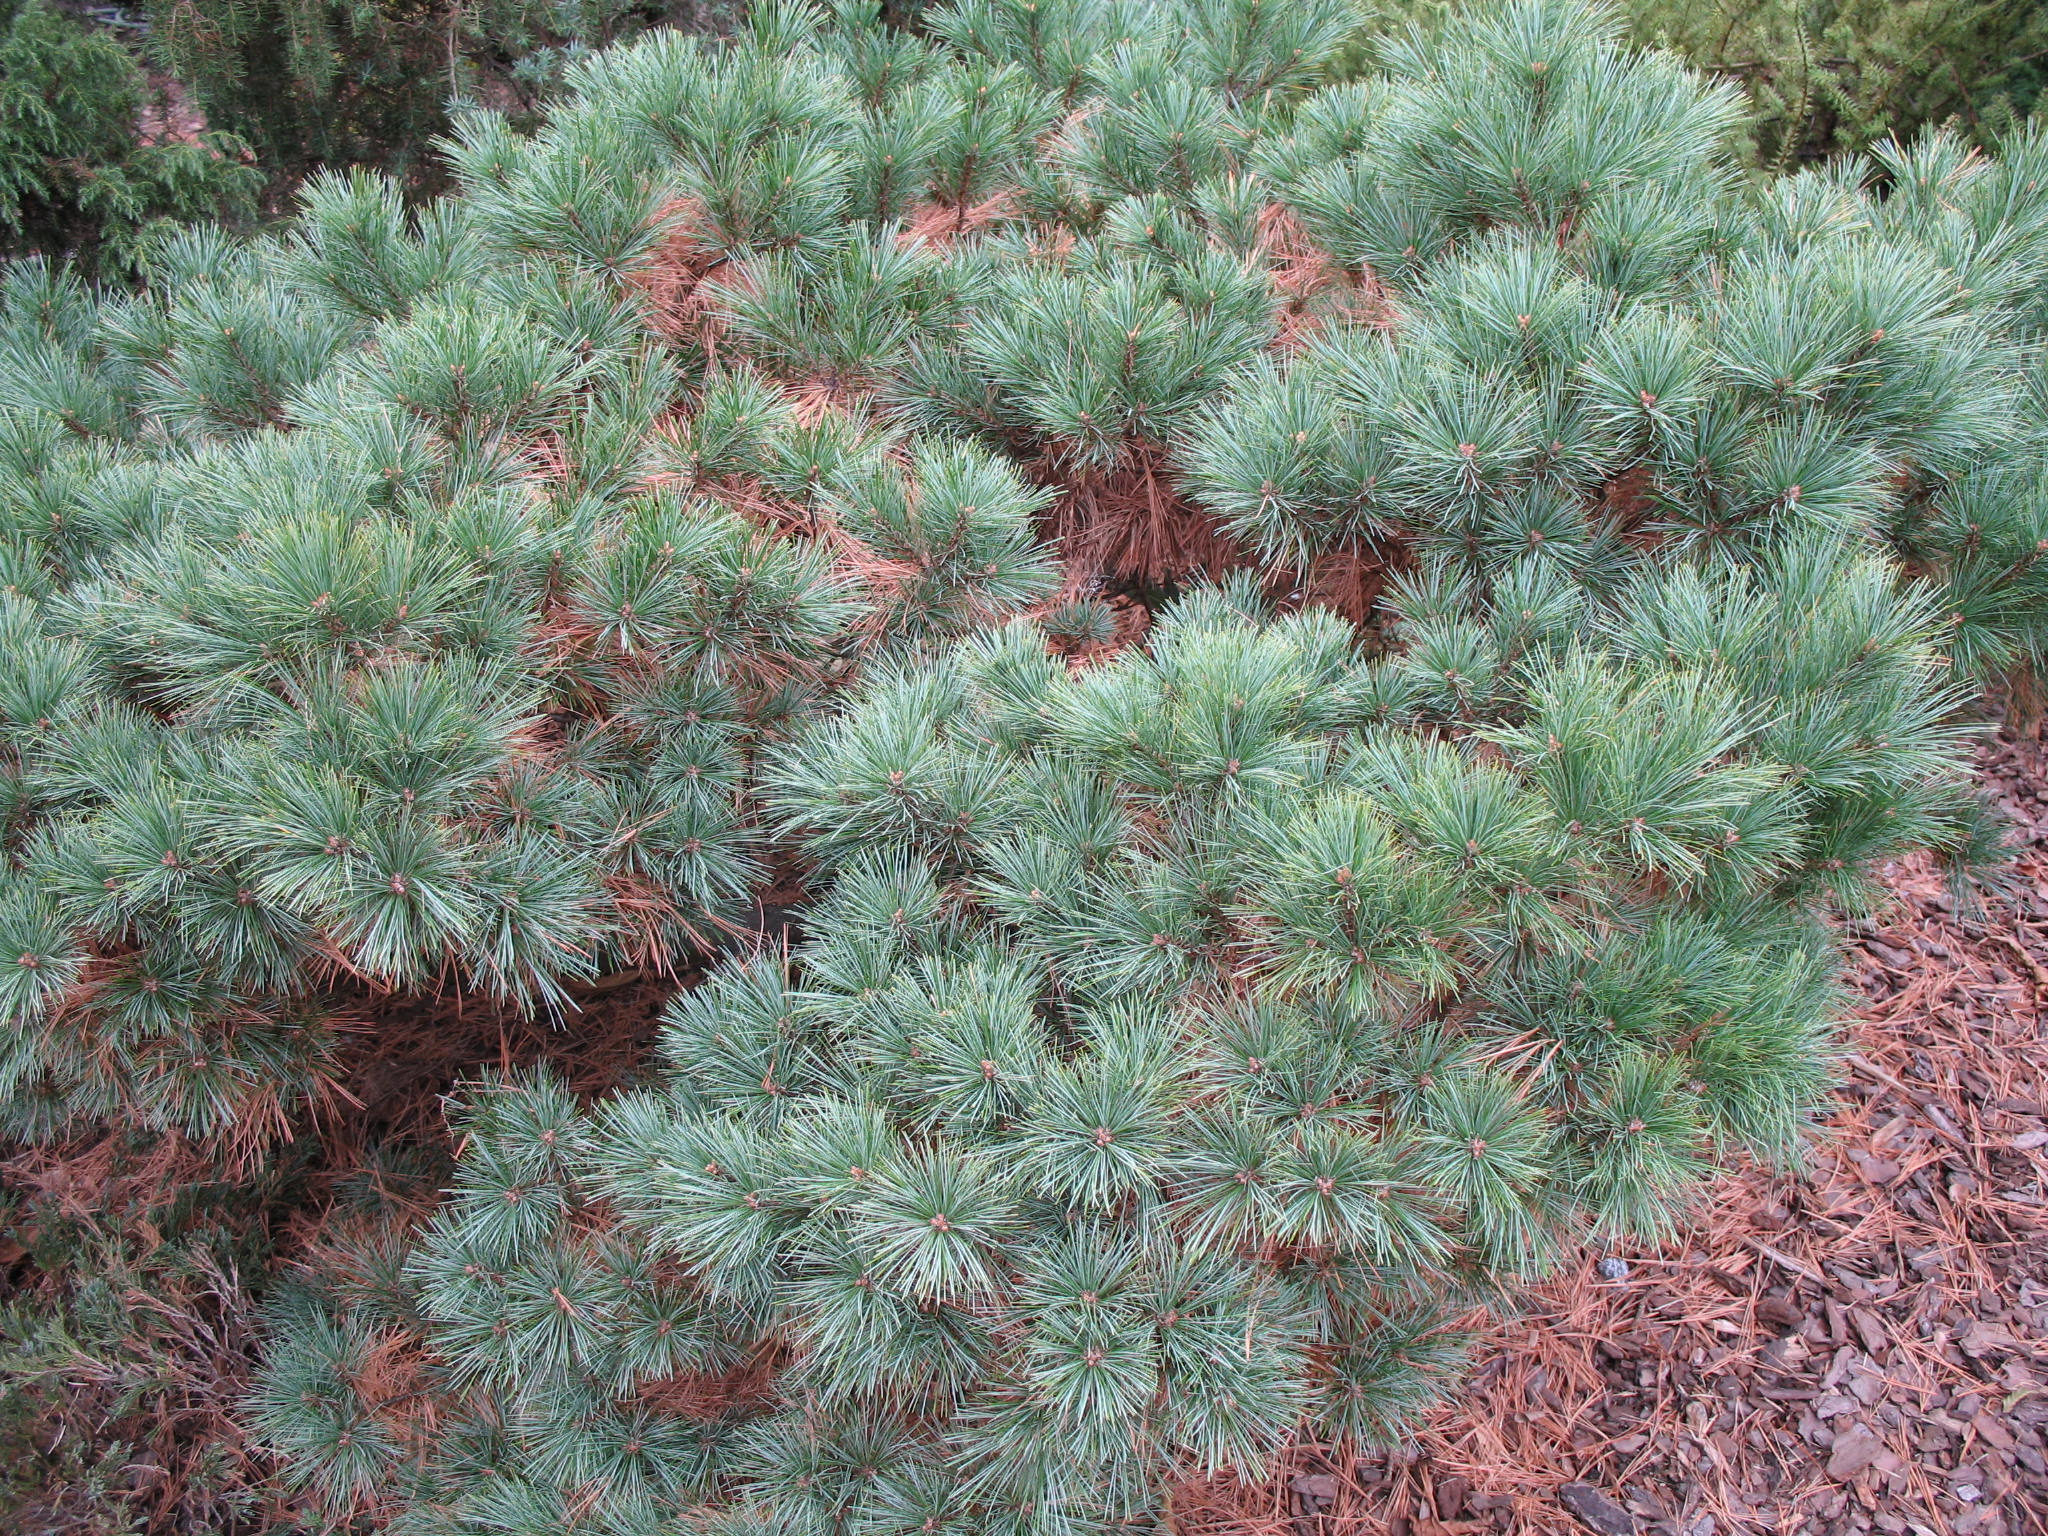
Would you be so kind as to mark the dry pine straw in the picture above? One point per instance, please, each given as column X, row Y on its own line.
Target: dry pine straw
column 1862, row 1347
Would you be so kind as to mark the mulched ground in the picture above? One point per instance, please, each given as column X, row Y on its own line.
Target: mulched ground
column 1861, row 1348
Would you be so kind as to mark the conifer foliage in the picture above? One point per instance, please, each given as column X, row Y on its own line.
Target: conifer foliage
column 382, row 606
column 1186, row 1040
column 80, row 176
column 1564, row 562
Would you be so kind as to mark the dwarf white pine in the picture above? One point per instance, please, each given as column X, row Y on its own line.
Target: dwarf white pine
column 1565, row 561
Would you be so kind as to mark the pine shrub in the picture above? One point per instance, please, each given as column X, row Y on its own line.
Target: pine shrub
column 382, row 608
column 1559, row 564
column 1187, row 1041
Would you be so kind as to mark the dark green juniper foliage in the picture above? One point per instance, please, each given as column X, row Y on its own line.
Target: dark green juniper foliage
column 1823, row 76
column 79, row 176
column 309, row 83
column 464, row 597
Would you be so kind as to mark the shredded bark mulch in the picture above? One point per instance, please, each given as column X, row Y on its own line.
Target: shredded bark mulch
column 1860, row 1347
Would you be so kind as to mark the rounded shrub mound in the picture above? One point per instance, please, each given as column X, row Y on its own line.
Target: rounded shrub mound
column 1184, row 1043
column 423, row 650
column 1320, row 619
